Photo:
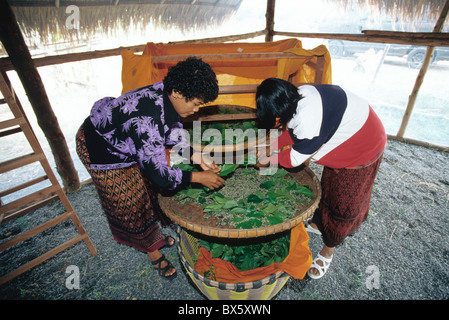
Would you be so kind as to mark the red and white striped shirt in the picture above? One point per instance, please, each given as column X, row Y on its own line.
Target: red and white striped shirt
column 333, row 127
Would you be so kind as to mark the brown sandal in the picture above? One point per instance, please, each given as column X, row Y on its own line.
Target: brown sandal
column 163, row 270
column 167, row 241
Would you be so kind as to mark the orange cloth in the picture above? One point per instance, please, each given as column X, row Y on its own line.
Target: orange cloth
column 295, row 264
column 138, row 70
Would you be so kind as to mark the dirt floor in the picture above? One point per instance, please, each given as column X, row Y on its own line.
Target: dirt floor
column 400, row 253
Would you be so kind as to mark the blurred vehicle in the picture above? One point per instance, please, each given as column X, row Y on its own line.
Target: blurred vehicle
column 414, row 54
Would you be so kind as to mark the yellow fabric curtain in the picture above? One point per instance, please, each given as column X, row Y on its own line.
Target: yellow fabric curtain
column 138, row 70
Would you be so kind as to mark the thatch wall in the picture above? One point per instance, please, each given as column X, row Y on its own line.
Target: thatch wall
column 97, row 18
column 404, row 10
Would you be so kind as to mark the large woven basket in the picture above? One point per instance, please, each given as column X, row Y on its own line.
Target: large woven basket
column 263, row 289
column 199, row 225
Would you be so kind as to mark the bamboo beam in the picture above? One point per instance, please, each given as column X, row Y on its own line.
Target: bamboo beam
column 419, row 143
column 14, row 44
column 5, row 63
column 422, row 72
column 410, row 38
column 235, row 37
column 269, row 16
column 410, row 35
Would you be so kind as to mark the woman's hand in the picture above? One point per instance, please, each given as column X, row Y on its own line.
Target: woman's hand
column 205, row 162
column 263, row 157
column 208, row 178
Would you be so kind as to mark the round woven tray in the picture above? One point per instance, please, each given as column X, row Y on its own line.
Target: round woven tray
column 191, row 217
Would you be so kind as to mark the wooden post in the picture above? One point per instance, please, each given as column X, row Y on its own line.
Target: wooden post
column 422, row 72
column 270, row 20
column 20, row 57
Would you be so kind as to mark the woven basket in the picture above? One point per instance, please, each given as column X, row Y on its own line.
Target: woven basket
column 304, row 176
column 263, row 289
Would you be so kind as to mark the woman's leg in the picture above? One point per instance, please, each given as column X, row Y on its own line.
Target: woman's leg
column 129, row 205
column 344, row 205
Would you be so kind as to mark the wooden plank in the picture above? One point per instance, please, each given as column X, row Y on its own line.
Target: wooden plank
column 32, row 232
column 41, row 258
column 246, row 88
column 23, row 186
column 242, row 88
column 11, row 123
column 33, row 205
column 20, row 162
column 10, row 132
column 223, row 117
column 229, row 56
column 19, row 203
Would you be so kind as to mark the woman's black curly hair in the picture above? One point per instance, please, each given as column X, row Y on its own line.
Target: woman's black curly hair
column 193, row 78
column 276, row 98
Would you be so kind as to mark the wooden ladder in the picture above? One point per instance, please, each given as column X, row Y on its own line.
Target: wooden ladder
column 17, row 208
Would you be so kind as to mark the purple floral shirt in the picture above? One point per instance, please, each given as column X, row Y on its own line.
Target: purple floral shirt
column 137, row 127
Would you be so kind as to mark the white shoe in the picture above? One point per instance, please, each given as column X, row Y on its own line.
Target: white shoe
column 321, row 269
column 310, row 229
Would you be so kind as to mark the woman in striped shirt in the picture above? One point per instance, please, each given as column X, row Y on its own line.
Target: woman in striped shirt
column 332, row 127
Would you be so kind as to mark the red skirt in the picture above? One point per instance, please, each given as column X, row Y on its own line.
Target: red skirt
column 131, row 206
column 345, row 201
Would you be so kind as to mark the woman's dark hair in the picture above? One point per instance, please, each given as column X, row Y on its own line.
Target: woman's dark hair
column 193, row 78
column 276, row 98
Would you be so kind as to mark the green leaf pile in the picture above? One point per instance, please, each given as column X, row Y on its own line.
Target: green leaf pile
column 252, row 256
column 249, row 200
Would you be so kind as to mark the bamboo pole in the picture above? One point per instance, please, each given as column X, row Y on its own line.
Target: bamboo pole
column 419, row 143
column 420, row 78
column 269, row 16
column 14, row 44
column 394, row 37
column 5, row 63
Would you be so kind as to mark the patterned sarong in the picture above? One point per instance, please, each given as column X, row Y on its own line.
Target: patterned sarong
column 129, row 202
column 345, row 201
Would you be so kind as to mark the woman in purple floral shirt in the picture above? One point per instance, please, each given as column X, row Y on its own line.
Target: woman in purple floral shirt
column 123, row 145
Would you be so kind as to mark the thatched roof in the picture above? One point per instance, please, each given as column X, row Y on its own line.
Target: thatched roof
column 48, row 18
column 410, row 10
